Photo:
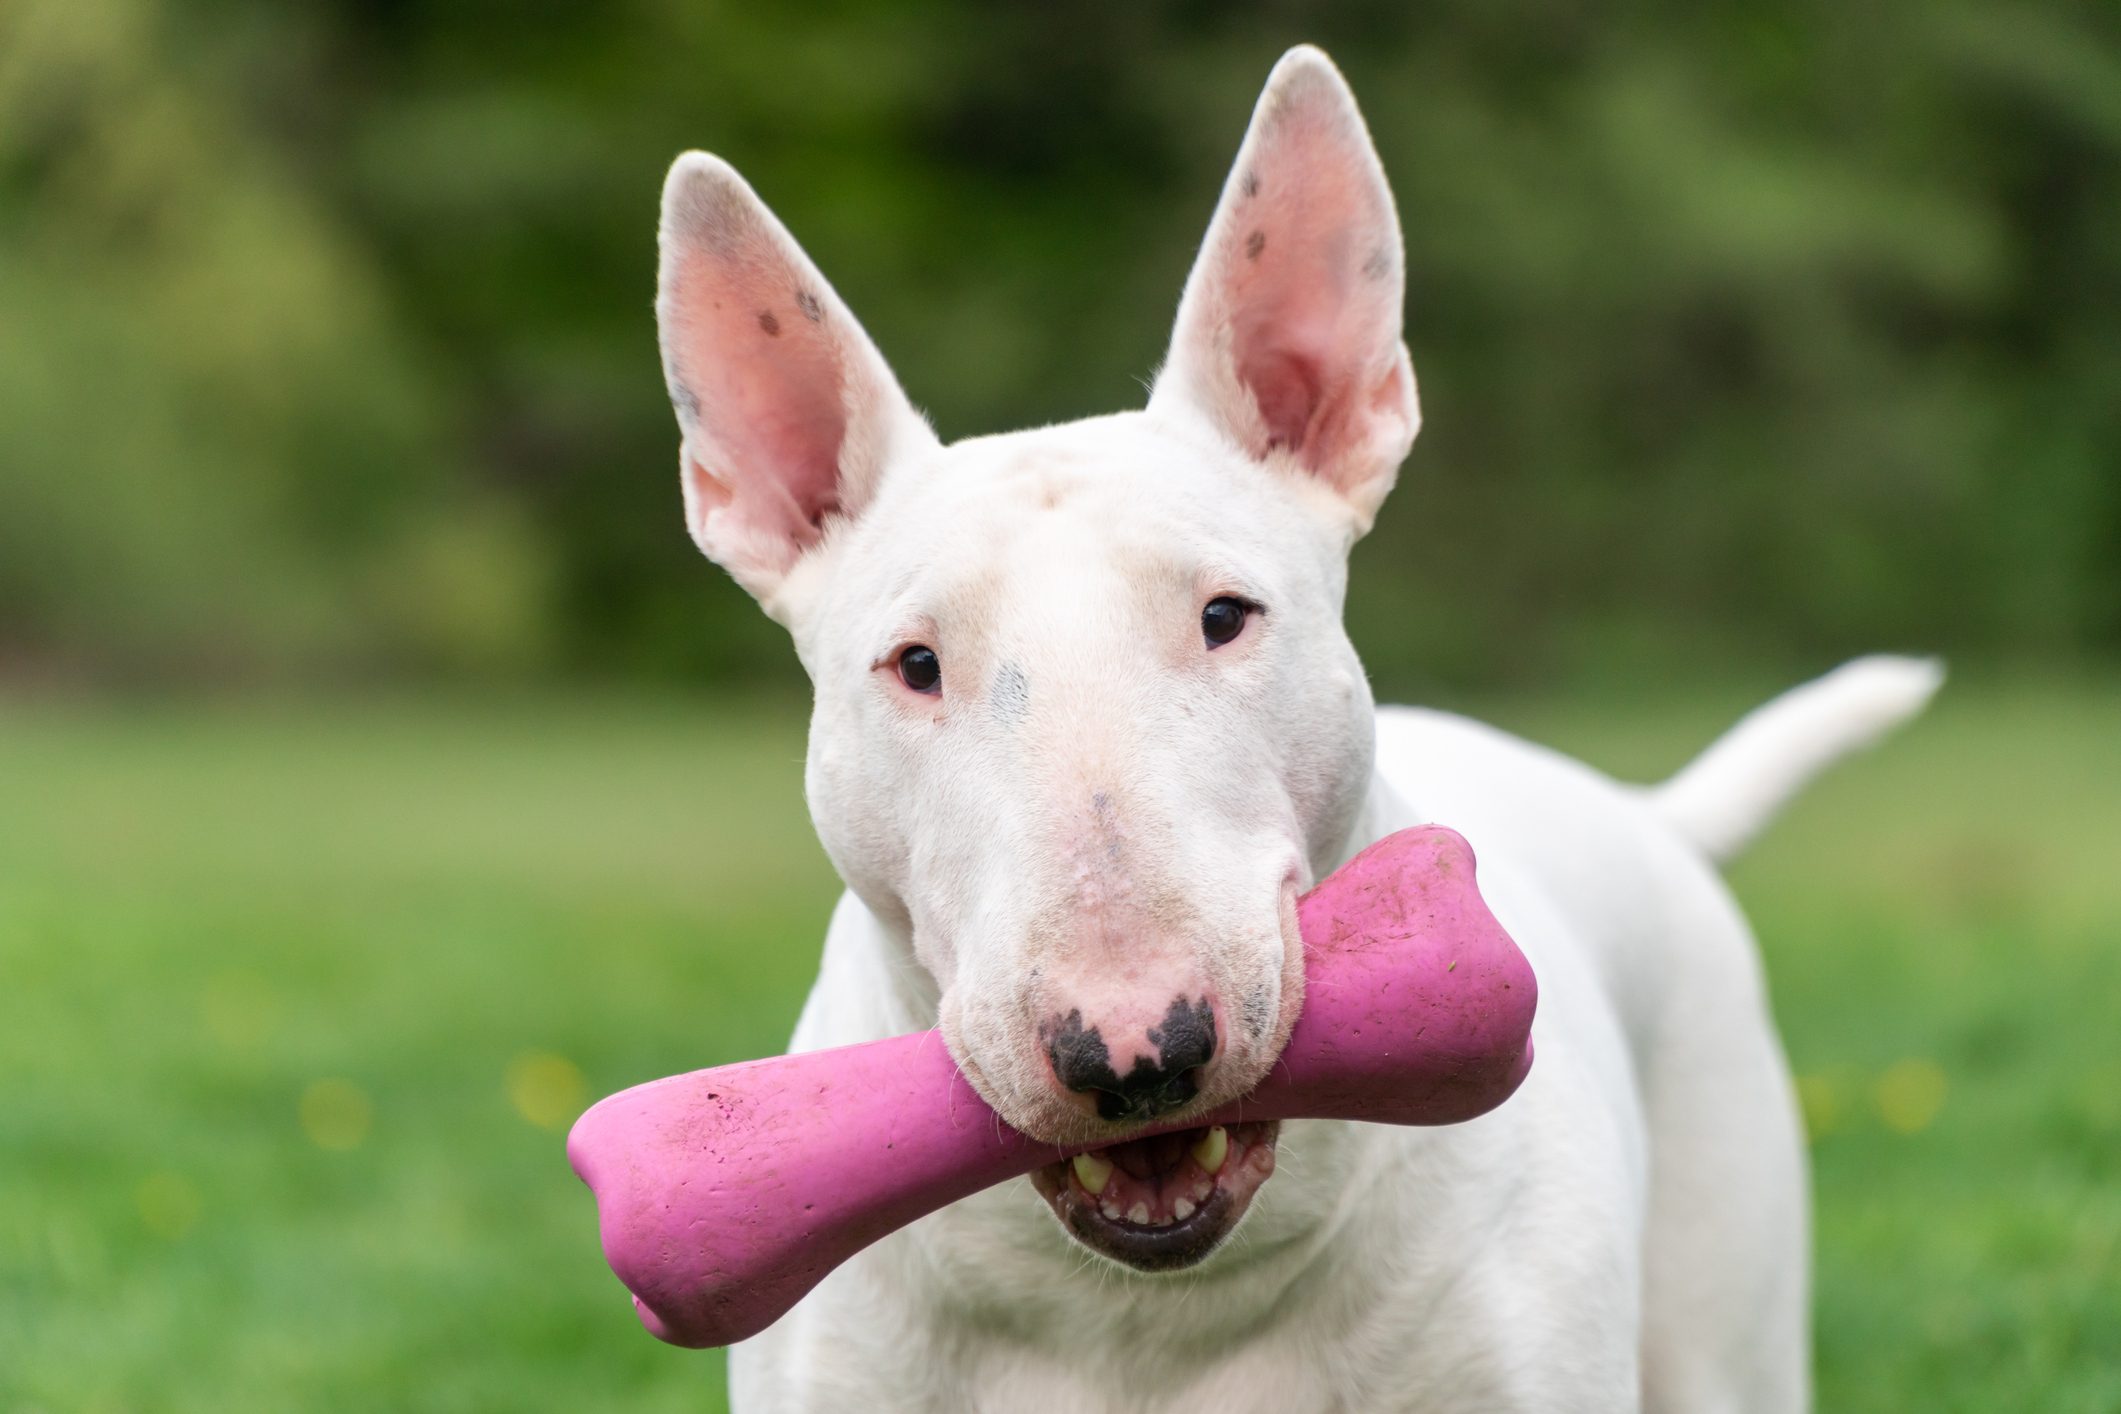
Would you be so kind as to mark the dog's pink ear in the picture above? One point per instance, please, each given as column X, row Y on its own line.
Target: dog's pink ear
column 1288, row 337
column 789, row 414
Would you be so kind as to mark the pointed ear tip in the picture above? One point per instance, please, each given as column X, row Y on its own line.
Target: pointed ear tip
column 694, row 167
column 1304, row 56
column 699, row 186
column 1307, row 69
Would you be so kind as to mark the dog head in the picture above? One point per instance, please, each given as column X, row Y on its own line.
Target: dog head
column 1086, row 719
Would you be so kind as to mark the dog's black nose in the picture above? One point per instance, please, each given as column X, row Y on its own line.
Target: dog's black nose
column 1183, row 1044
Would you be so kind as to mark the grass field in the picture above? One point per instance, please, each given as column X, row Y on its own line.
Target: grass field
column 296, row 1003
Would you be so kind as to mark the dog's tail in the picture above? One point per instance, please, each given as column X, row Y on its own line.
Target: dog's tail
column 1723, row 798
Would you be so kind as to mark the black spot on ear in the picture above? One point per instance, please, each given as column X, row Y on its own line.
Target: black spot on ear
column 807, row 302
column 686, row 402
column 1254, row 244
column 1251, row 184
column 1378, row 265
column 771, row 325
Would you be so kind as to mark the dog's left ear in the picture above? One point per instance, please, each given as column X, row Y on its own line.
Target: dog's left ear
column 1288, row 337
column 789, row 414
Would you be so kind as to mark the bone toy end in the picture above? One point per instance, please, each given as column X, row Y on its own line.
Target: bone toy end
column 723, row 1196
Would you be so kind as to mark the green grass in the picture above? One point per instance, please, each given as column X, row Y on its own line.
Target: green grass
column 465, row 918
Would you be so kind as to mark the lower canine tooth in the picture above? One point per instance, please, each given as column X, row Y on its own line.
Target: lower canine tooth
column 1093, row 1173
column 1211, row 1149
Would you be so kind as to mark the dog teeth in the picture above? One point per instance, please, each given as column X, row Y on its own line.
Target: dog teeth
column 1211, row 1149
column 1093, row 1173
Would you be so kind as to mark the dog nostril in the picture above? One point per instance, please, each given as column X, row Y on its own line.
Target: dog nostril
column 1080, row 1060
column 1184, row 1044
column 1186, row 1040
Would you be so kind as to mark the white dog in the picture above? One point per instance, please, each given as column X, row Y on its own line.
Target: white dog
column 1086, row 724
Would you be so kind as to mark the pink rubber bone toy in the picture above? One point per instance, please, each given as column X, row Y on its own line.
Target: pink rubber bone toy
column 725, row 1195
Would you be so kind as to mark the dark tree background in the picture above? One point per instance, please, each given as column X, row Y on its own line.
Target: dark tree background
column 1755, row 334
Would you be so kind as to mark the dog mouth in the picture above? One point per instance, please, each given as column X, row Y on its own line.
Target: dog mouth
column 1163, row 1203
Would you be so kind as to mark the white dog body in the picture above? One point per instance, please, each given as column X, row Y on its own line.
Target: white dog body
column 1086, row 723
column 1498, row 1264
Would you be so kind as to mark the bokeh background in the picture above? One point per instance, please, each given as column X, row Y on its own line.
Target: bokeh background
column 382, row 773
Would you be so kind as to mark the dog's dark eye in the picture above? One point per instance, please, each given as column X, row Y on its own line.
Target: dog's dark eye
column 920, row 669
column 1223, row 620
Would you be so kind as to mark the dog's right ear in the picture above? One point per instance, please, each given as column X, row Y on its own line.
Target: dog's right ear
column 788, row 412
column 1288, row 336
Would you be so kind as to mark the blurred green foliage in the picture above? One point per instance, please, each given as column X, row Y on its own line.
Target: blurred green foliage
column 1769, row 331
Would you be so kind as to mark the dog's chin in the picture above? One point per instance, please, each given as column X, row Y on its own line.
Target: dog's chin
column 1161, row 1204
